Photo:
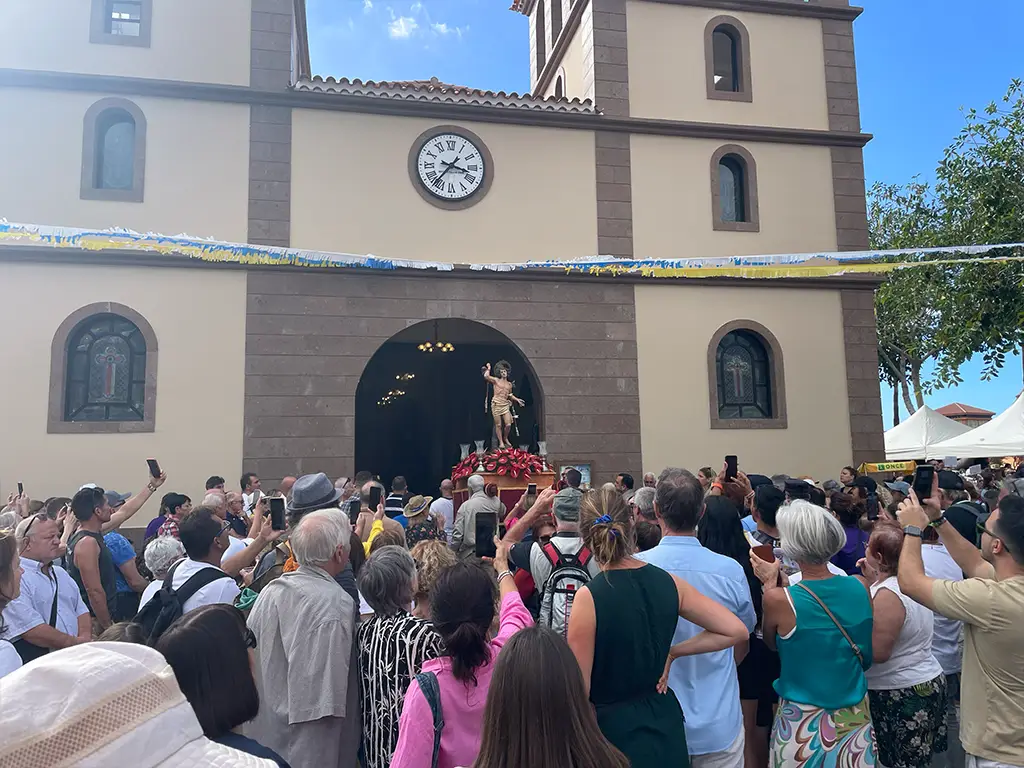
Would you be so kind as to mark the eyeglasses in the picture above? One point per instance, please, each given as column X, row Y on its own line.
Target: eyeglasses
column 225, row 528
column 250, row 638
column 980, row 526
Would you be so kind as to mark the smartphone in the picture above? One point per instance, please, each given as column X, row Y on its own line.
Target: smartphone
column 730, row 467
column 21, row 489
column 531, row 496
column 923, row 477
column 765, row 551
column 353, row 510
column 276, row 513
column 154, row 468
column 374, row 501
column 486, row 525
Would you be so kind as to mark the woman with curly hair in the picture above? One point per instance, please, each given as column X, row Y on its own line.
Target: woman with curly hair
column 621, row 630
column 432, row 558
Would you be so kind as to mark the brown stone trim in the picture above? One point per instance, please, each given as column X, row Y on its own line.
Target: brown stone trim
column 559, row 46
column 777, row 7
column 89, row 190
column 98, row 26
column 608, row 57
column 860, row 344
column 274, row 25
column 776, row 370
column 848, row 187
column 451, row 205
column 753, row 222
column 590, row 401
column 172, row 89
column 53, row 256
column 55, row 423
column 742, row 41
column 614, row 194
column 301, row 37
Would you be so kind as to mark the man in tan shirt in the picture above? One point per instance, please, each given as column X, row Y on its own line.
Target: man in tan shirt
column 990, row 603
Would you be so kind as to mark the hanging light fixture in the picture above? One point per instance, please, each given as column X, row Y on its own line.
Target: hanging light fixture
column 436, row 345
column 390, row 397
column 405, row 377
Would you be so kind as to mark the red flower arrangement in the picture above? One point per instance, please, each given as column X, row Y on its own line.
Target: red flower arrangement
column 507, row 461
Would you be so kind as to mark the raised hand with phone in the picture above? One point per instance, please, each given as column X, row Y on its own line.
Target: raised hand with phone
column 156, row 478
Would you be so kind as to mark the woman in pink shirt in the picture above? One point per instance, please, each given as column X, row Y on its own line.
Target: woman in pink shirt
column 462, row 611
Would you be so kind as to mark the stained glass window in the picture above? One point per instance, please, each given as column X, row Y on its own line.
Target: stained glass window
column 731, row 189
column 744, row 377
column 106, row 371
column 115, row 150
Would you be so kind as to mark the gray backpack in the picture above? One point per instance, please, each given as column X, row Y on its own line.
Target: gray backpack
column 568, row 573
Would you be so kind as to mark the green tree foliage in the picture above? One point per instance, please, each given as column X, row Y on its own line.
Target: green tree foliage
column 946, row 313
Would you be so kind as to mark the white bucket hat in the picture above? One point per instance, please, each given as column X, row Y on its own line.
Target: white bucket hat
column 103, row 704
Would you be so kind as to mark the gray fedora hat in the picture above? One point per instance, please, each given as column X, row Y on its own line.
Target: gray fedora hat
column 312, row 492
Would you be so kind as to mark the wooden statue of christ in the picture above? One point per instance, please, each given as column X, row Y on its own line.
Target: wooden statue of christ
column 501, row 401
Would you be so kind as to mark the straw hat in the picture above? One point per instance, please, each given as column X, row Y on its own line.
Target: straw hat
column 103, row 704
column 417, row 506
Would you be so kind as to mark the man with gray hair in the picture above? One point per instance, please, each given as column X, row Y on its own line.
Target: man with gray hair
column 650, row 481
column 305, row 667
column 463, row 540
column 643, row 504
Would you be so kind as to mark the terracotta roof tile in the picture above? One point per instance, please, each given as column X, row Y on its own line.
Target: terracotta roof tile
column 434, row 90
column 959, row 409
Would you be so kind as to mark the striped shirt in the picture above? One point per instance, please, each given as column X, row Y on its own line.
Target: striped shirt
column 391, row 649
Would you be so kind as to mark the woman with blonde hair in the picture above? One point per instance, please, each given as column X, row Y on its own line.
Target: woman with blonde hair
column 10, row 588
column 621, row 629
column 432, row 558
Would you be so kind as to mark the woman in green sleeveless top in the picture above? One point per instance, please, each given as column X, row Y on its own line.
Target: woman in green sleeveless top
column 822, row 629
column 620, row 631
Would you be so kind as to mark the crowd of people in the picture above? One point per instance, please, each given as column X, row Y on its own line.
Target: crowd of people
column 715, row 619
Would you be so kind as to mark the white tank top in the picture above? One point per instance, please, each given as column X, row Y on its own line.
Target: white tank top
column 912, row 661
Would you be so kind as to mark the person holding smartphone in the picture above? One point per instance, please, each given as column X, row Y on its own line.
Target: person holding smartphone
column 482, row 498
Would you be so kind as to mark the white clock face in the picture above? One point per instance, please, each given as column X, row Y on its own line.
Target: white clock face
column 450, row 166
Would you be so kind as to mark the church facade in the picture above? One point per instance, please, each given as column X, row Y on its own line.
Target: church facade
column 655, row 129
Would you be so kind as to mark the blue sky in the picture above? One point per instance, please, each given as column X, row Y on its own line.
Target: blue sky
column 918, row 61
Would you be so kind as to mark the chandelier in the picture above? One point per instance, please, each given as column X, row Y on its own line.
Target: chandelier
column 405, row 377
column 436, row 345
column 390, row 397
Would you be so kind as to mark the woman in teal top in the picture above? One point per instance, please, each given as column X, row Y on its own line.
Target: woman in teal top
column 621, row 629
column 822, row 629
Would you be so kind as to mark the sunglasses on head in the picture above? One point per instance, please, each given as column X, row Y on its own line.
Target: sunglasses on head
column 32, row 521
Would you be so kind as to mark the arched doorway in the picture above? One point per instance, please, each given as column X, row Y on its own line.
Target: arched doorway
column 414, row 407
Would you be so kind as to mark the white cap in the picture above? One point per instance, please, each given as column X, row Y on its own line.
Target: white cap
column 103, row 704
column 89, row 485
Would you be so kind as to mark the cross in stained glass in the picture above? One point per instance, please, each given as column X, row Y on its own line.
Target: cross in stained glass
column 737, row 368
column 109, row 359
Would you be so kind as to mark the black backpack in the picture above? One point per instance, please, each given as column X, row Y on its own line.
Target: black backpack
column 166, row 605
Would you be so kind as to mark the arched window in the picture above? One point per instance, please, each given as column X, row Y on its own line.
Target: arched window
column 104, row 371
column 745, row 367
column 727, row 59
column 114, row 151
column 734, row 190
column 560, row 86
column 556, row 21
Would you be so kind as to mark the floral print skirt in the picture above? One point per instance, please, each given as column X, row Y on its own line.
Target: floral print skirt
column 910, row 723
column 806, row 736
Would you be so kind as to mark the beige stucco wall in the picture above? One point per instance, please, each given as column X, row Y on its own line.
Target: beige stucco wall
column 351, row 192
column 198, row 316
column 197, row 165
column 667, row 70
column 572, row 67
column 672, row 200
column 674, row 398
column 193, row 40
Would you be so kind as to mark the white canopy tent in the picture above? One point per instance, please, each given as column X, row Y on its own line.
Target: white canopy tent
column 917, row 437
column 1003, row 436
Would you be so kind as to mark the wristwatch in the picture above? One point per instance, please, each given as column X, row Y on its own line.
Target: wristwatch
column 912, row 530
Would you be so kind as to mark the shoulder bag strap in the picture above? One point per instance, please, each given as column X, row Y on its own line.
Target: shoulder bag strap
column 427, row 681
column 856, row 648
column 197, row 581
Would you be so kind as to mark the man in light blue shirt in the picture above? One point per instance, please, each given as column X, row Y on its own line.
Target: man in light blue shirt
column 706, row 685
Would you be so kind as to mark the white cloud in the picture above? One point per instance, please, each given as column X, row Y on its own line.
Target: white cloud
column 442, row 29
column 367, row 6
column 402, row 27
